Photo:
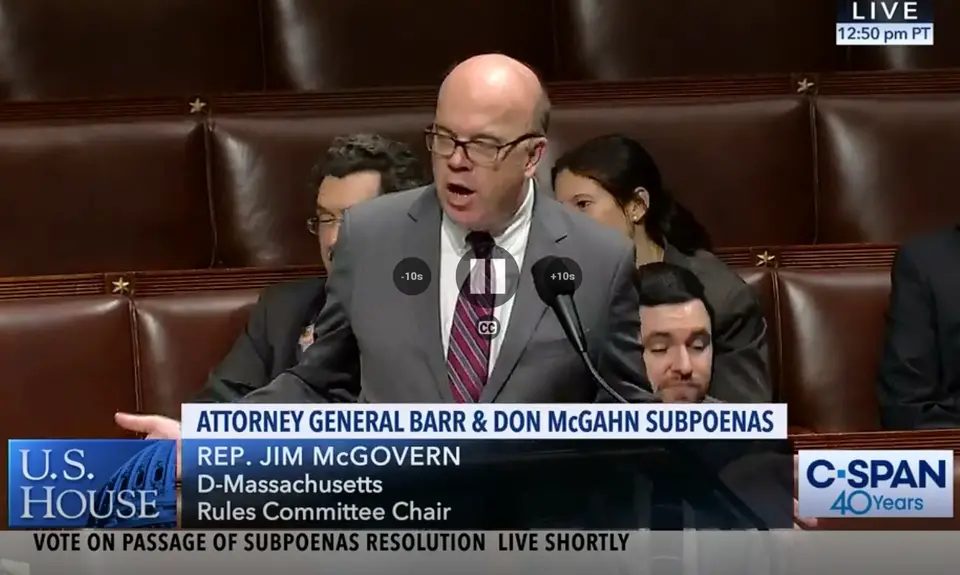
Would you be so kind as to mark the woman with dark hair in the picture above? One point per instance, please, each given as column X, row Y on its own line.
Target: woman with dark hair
column 615, row 181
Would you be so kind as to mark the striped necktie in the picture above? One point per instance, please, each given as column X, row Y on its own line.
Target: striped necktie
column 468, row 353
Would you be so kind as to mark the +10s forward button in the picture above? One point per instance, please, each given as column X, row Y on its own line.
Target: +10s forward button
column 564, row 275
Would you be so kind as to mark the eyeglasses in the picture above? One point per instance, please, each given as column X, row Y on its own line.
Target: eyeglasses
column 477, row 151
column 316, row 223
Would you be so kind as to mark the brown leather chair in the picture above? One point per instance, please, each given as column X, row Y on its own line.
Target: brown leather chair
column 103, row 195
column 56, row 50
column 180, row 338
column 66, row 366
column 69, row 363
column 110, row 353
column 763, row 281
column 884, row 166
column 831, row 328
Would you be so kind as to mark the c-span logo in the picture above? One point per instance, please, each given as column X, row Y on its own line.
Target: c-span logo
column 888, row 483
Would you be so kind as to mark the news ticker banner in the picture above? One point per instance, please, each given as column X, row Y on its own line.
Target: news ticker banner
column 884, row 23
column 403, row 466
column 786, row 552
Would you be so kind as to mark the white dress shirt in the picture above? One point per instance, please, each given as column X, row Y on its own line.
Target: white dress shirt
column 453, row 247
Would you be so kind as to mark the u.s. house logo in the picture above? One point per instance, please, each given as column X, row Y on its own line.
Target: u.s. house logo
column 883, row 483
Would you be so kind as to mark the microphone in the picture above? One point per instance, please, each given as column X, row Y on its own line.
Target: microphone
column 551, row 280
column 556, row 279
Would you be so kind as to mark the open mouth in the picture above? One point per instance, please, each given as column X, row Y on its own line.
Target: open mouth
column 459, row 190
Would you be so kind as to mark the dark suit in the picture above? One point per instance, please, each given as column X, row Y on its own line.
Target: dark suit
column 919, row 380
column 270, row 343
column 741, row 368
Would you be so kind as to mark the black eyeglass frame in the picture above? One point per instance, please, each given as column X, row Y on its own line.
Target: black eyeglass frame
column 314, row 223
column 498, row 149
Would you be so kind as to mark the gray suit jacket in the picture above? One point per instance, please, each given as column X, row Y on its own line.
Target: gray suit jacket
column 398, row 336
column 741, row 363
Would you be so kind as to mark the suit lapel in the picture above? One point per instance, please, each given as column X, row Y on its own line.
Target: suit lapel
column 301, row 317
column 546, row 230
column 424, row 240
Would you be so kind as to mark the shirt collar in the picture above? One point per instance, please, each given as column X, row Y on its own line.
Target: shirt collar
column 520, row 222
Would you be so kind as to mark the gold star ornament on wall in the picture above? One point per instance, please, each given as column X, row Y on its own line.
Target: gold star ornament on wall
column 121, row 286
column 197, row 106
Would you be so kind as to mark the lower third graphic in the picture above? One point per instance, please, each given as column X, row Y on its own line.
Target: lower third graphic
column 881, row 483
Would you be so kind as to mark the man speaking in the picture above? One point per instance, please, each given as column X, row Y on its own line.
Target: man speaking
column 402, row 292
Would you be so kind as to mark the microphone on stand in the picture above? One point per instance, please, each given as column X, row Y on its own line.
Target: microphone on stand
column 556, row 280
column 556, row 283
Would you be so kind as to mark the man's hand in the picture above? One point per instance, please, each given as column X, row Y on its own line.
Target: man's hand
column 153, row 426
column 800, row 522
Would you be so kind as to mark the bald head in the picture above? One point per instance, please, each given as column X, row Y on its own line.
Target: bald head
column 500, row 81
column 487, row 139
